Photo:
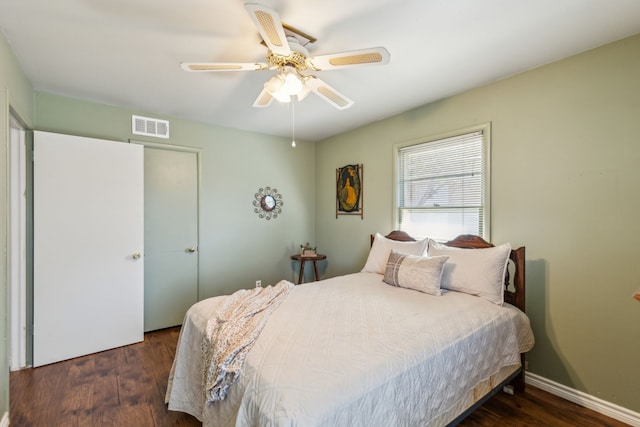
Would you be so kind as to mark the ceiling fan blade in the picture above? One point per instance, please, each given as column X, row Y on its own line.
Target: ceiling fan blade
column 354, row 58
column 268, row 23
column 263, row 100
column 329, row 94
column 222, row 66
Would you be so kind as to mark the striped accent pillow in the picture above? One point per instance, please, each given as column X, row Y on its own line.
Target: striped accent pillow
column 415, row 272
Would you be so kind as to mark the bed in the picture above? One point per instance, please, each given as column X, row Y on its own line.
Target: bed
column 381, row 347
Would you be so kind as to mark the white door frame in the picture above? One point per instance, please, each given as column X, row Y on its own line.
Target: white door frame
column 198, row 153
column 17, row 262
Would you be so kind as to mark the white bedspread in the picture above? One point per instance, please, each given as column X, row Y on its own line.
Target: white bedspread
column 354, row 351
column 230, row 335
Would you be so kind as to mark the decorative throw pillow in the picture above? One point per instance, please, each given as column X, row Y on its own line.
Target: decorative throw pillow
column 381, row 248
column 415, row 272
column 474, row 271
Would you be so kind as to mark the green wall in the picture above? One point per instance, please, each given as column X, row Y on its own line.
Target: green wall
column 236, row 247
column 15, row 94
column 565, row 184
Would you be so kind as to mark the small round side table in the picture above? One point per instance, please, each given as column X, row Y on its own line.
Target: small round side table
column 303, row 259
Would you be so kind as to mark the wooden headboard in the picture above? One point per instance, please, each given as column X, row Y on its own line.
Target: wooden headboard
column 514, row 294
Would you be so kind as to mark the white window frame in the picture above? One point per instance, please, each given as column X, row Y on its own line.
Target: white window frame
column 486, row 197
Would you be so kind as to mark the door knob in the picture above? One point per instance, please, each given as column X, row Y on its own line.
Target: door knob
column 137, row 255
column 191, row 249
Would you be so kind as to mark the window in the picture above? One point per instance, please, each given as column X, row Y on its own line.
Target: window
column 442, row 185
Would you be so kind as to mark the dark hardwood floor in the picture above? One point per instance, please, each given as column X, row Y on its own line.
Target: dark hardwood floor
column 120, row 387
column 535, row 407
column 126, row 387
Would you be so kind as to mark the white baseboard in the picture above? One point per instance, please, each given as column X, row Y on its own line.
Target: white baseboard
column 583, row 399
column 5, row 420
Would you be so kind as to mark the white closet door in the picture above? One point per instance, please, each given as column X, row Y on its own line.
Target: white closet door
column 88, row 231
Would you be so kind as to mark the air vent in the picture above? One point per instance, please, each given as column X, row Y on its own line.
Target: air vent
column 149, row 127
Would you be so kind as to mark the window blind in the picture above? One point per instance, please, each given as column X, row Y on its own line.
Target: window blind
column 441, row 187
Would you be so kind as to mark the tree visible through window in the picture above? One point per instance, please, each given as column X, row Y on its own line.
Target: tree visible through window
column 443, row 185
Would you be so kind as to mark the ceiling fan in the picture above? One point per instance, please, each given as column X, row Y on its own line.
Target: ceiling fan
column 287, row 54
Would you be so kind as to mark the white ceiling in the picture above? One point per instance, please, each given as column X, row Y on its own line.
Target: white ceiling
column 127, row 52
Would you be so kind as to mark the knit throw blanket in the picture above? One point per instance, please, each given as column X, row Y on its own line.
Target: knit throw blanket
column 231, row 332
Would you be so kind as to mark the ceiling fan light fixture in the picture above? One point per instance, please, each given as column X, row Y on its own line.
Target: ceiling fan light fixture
column 275, row 87
column 292, row 84
column 285, row 85
column 302, row 94
column 274, row 84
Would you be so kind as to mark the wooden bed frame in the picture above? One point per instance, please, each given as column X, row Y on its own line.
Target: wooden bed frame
column 514, row 294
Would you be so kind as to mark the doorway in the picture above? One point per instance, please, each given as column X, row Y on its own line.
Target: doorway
column 171, row 220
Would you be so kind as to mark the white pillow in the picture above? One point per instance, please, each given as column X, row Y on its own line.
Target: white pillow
column 381, row 248
column 474, row 271
column 415, row 272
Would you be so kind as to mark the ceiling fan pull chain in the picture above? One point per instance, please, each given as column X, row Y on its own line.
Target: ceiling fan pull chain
column 293, row 122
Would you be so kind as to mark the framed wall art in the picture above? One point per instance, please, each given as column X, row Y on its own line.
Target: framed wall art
column 349, row 189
